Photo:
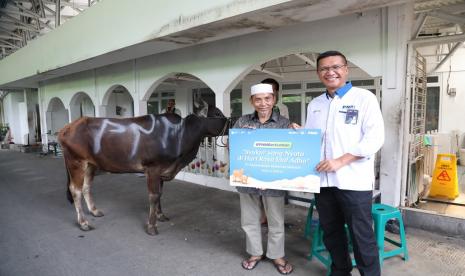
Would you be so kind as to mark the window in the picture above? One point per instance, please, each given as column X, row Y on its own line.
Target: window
column 432, row 103
column 432, row 79
column 158, row 101
column 432, row 109
column 291, row 86
column 293, row 103
column 315, row 85
column 309, row 96
column 236, row 103
column 205, row 94
column 360, row 83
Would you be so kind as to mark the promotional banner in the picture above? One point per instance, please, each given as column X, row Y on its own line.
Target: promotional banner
column 282, row 159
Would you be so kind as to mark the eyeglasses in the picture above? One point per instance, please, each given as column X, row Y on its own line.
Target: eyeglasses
column 331, row 68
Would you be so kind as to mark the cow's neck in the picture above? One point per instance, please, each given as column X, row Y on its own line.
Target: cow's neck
column 193, row 134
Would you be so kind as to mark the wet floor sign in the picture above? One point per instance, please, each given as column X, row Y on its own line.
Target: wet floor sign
column 445, row 183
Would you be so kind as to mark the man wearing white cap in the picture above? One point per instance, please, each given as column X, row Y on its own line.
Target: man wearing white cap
column 263, row 99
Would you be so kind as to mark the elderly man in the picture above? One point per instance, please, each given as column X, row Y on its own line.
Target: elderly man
column 263, row 100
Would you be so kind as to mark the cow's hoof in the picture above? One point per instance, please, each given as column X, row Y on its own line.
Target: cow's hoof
column 97, row 213
column 152, row 230
column 85, row 227
column 162, row 217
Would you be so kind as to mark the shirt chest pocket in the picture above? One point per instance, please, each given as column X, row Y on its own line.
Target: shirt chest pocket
column 348, row 120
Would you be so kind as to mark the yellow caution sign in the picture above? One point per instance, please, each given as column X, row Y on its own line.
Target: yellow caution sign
column 445, row 182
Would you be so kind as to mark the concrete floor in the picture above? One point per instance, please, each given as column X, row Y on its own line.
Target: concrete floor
column 39, row 235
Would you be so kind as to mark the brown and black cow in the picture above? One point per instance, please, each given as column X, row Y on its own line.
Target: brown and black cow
column 157, row 145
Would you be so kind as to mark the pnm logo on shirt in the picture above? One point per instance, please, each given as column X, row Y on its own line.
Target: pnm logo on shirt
column 348, row 106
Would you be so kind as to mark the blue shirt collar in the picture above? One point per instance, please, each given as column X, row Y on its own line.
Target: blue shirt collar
column 341, row 91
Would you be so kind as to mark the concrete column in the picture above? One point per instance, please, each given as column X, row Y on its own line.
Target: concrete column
column 396, row 31
column 142, row 108
column 223, row 102
column 102, row 111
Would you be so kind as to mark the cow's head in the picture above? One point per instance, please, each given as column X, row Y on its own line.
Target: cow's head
column 216, row 123
column 213, row 119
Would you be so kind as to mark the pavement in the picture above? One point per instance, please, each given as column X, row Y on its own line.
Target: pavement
column 39, row 234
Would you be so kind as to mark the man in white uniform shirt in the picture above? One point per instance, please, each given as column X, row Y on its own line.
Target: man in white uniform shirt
column 352, row 127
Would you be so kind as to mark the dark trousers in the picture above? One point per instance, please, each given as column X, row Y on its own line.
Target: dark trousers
column 338, row 207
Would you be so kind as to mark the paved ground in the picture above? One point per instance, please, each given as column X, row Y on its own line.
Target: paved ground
column 39, row 235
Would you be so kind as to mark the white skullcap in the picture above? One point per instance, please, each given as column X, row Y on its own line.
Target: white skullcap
column 261, row 88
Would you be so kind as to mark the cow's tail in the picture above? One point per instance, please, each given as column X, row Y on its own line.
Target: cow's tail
column 68, row 192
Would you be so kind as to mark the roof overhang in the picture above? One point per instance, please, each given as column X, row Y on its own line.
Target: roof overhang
column 211, row 23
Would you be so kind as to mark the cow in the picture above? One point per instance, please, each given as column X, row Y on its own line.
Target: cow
column 157, row 145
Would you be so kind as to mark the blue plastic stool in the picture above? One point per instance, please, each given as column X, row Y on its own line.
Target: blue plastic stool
column 381, row 214
column 310, row 222
column 318, row 248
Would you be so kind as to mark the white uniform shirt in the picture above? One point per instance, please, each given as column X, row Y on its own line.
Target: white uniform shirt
column 349, row 123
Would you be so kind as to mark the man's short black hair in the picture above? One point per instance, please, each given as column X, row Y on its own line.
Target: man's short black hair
column 330, row 54
column 273, row 82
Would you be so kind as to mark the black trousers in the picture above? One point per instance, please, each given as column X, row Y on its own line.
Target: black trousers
column 338, row 207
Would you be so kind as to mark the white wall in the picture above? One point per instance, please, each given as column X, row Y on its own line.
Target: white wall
column 223, row 64
column 16, row 116
column 32, row 116
column 452, row 109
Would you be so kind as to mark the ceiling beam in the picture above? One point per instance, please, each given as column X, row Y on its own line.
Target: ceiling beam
column 434, row 55
column 418, row 24
column 14, row 20
column 280, row 64
column 186, row 78
column 66, row 3
column 57, row 13
column 10, row 32
column 448, row 17
column 263, row 70
column 75, row 6
column 40, row 9
column 419, row 42
column 306, row 59
column 454, row 8
column 49, row 10
column 20, row 12
column 7, row 44
column 10, row 37
column 18, row 25
column 452, row 51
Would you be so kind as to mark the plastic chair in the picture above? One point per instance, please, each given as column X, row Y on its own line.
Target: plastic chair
column 319, row 251
column 382, row 213
column 310, row 223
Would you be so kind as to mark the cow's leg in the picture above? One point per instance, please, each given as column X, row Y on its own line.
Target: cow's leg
column 77, row 173
column 158, row 211
column 153, row 184
column 88, row 177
